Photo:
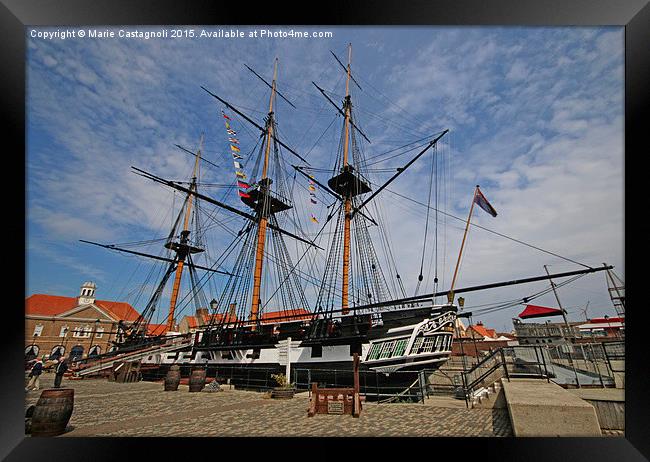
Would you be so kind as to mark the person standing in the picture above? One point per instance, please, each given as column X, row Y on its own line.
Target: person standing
column 61, row 368
column 35, row 374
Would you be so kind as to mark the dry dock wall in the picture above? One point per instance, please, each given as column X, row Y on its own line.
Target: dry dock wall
column 539, row 408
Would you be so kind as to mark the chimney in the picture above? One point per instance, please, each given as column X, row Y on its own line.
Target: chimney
column 202, row 315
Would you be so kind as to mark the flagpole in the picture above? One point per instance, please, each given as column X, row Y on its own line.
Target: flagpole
column 469, row 217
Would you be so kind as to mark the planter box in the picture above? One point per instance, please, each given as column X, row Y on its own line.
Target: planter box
column 283, row 393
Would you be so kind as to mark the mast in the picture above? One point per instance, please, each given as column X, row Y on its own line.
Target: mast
column 462, row 244
column 263, row 218
column 348, row 197
column 566, row 322
column 182, row 249
column 618, row 300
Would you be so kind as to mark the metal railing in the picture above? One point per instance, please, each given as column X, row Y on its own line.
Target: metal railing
column 581, row 365
column 398, row 386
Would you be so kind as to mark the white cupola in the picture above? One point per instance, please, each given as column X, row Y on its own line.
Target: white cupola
column 87, row 293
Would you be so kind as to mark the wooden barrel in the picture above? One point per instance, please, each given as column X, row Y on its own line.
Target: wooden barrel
column 173, row 378
column 197, row 379
column 52, row 412
column 282, row 393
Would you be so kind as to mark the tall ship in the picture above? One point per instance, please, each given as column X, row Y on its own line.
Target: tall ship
column 261, row 318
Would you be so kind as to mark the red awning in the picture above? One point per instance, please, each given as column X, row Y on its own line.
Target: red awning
column 534, row 311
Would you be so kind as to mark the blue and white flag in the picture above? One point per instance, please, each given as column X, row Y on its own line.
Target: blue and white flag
column 482, row 202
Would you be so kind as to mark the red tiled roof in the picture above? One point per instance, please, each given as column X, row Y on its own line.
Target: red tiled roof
column 286, row 315
column 121, row 310
column 603, row 320
column 481, row 330
column 156, row 329
column 53, row 305
column 191, row 322
column 220, row 317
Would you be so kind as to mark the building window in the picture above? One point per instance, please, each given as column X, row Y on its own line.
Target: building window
column 99, row 333
column 81, row 332
column 38, row 330
column 64, row 330
column 95, row 350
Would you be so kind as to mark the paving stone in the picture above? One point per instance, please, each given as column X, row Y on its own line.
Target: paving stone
column 103, row 408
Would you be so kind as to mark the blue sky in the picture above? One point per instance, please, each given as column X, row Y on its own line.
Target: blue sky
column 535, row 117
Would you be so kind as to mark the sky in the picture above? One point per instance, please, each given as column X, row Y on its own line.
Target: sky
column 535, row 117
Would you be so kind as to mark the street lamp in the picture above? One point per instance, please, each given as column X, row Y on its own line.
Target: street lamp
column 65, row 339
column 213, row 307
column 92, row 337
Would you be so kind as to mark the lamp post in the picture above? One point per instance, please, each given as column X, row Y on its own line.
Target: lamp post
column 31, row 348
column 213, row 308
column 92, row 337
column 65, row 339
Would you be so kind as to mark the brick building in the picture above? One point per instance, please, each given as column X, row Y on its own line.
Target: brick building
column 72, row 326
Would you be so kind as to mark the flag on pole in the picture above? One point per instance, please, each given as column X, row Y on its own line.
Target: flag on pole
column 482, row 202
column 242, row 184
column 240, row 175
column 225, row 116
column 313, row 218
column 234, row 148
column 233, row 140
column 237, row 164
column 313, row 201
column 243, row 194
column 236, row 156
column 231, row 131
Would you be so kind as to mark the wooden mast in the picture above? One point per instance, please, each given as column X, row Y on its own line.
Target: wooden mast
column 450, row 296
column 348, row 200
column 183, row 249
column 263, row 219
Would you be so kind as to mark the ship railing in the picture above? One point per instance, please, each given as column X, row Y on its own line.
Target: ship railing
column 402, row 386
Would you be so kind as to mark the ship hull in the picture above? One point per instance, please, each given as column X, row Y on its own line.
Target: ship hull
column 393, row 355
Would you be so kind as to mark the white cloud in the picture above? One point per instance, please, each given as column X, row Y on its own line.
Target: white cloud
column 536, row 119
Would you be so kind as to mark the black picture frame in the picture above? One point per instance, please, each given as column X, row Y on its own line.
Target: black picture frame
column 633, row 14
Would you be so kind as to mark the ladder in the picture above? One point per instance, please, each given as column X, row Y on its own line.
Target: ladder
column 133, row 356
column 616, row 289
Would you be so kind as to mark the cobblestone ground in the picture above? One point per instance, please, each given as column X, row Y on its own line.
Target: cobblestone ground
column 103, row 408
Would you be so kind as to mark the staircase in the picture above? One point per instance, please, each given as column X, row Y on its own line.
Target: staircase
column 107, row 364
column 488, row 397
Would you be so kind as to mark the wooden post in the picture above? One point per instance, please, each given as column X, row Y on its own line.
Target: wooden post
column 469, row 217
column 356, row 403
column 348, row 200
column 184, row 234
column 314, row 399
column 288, row 368
column 261, row 231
